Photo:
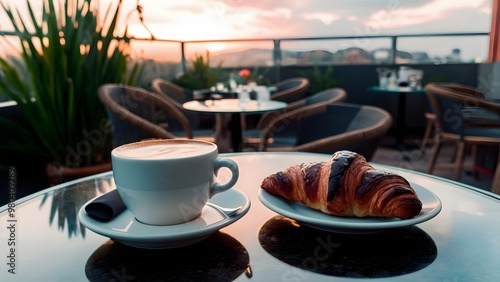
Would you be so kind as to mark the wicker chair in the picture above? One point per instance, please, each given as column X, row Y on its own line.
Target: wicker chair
column 337, row 126
column 463, row 119
column 133, row 112
column 311, row 103
column 176, row 94
column 431, row 116
column 291, row 90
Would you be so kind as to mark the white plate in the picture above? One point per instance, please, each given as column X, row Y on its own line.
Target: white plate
column 352, row 225
column 126, row 229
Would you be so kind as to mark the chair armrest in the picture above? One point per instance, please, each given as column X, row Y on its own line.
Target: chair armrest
column 270, row 116
column 139, row 122
column 287, row 118
column 170, row 109
column 323, row 143
column 340, row 139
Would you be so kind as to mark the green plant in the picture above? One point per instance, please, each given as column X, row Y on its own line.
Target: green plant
column 67, row 55
column 259, row 77
column 200, row 75
column 320, row 79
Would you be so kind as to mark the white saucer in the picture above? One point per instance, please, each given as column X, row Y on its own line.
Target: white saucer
column 127, row 230
column 351, row 225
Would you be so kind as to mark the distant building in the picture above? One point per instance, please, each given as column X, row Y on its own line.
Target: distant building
column 355, row 56
column 420, row 57
column 383, row 55
column 455, row 56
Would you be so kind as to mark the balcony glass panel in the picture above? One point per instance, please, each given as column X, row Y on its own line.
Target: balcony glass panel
column 327, row 52
column 161, row 59
column 443, row 49
column 233, row 54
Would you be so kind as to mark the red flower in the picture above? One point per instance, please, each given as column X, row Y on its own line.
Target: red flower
column 245, row 73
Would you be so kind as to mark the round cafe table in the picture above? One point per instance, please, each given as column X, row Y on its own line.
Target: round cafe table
column 235, row 108
column 461, row 243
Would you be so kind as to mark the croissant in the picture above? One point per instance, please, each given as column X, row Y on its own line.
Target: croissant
column 347, row 185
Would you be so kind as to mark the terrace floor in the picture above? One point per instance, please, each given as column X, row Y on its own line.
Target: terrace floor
column 388, row 155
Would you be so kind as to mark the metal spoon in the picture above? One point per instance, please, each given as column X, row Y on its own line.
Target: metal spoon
column 225, row 211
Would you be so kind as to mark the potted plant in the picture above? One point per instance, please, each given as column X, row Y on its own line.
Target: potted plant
column 320, row 79
column 64, row 57
column 200, row 75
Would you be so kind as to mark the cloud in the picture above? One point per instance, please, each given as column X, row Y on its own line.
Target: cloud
column 195, row 10
column 284, row 13
column 218, row 19
column 398, row 16
column 325, row 18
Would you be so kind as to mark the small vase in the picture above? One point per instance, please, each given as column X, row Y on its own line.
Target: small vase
column 60, row 174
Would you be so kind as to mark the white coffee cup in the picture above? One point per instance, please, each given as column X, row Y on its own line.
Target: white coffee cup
column 169, row 181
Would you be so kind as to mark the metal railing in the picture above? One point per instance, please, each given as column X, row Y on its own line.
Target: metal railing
column 277, row 42
column 277, row 50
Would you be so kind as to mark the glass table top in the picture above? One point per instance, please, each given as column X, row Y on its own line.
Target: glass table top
column 461, row 241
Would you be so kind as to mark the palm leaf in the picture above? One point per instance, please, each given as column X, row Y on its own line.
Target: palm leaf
column 69, row 53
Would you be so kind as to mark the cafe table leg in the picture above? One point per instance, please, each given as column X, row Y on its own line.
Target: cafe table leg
column 401, row 121
column 235, row 128
column 222, row 133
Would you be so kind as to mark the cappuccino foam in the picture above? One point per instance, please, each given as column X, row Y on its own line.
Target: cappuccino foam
column 156, row 150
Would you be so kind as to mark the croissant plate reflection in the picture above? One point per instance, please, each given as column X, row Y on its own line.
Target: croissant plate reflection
column 390, row 253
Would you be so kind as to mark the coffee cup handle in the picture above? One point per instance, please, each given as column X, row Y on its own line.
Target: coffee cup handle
column 233, row 167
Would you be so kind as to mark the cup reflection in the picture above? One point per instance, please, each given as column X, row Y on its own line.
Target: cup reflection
column 389, row 253
column 220, row 257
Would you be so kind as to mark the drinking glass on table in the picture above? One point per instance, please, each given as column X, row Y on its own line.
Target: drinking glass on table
column 263, row 94
column 414, row 81
column 243, row 95
column 232, row 83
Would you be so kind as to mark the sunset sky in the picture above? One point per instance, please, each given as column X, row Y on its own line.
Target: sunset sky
column 214, row 19
column 236, row 19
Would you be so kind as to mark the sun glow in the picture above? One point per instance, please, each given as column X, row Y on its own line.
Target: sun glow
column 216, row 47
